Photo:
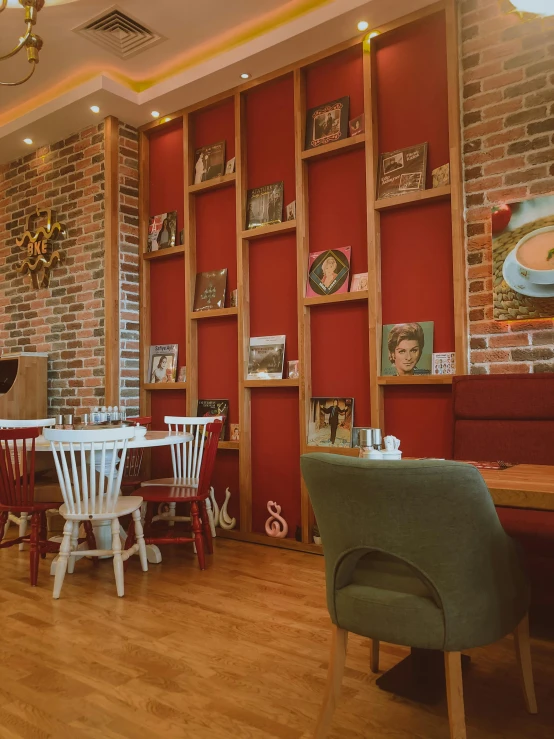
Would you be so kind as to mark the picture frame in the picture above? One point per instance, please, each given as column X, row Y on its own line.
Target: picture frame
column 162, row 231
column 209, row 162
column 402, row 171
column 357, row 125
column 291, row 211
column 328, row 271
column 293, row 369
column 207, row 408
column 210, row 288
column 264, row 205
column 441, row 175
column 331, row 422
column 444, row 363
column 182, row 376
column 407, row 348
column 230, row 166
column 234, row 432
column 234, row 298
column 266, row 357
column 359, row 282
column 162, row 363
column 327, row 123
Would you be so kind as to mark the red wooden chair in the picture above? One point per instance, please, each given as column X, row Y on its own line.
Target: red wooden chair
column 17, row 491
column 196, row 496
column 133, row 461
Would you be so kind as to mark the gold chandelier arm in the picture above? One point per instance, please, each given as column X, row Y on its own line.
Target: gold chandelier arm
column 20, row 82
column 20, row 45
column 3, row 5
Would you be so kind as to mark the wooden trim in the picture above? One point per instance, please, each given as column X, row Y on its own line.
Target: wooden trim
column 416, row 380
column 285, row 382
column 216, row 183
column 269, row 541
column 164, row 253
column 401, row 201
column 151, row 386
column 262, row 231
column 189, row 210
column 216, row 313
column 406, row 20
column 336, row 298
column 230, row 445
column 111, row 257
column 455, row 694
column 337, row 147
column 144, row 270
column 160, row 122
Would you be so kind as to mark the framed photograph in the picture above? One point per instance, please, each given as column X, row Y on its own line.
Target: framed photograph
column 209, row 293
column 294, row 373
column 357, row 125
column 331, row 421
column 182, row 376
column 215, row 408
column 523, row 259
column 402, row 171
column 358, row 282
column 266, row 358
column 441, row 176
column 234, row 433
column 161, row 231
column 327, row 123
column 230, row 166
column 407, row 349
column 264, row 205
column 162, row 366
column 209, row 162
column 328, row 271
column 444, row 363
column 234, row 298
column 291, row 211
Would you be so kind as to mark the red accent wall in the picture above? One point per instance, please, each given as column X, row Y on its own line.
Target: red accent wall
column 335, row 77
column 216, row 124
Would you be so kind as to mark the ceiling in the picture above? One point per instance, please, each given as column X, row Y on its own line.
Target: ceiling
column 205, row 47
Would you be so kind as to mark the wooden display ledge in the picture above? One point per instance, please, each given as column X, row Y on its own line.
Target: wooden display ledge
column 285, row 382
column 436, row 193
column 338, row 298
column 269, row 541
column 232, row 445
column 164, row 386
column 216, row 313
column 164, row 252
column 329, row 150
column 216, row 183
column 416, row 380
column 261, row 231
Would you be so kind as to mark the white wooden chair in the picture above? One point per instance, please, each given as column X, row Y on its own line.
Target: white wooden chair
column 186, row 460
column 21, row 520
column 90, row 466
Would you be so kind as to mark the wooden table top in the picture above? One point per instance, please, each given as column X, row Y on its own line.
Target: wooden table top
column 522, row 486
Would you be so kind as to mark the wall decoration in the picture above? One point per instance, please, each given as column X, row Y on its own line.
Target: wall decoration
column 211, row 505
column 359, row 282
column 328, row 271
column 294, row 373
column 225, row 520
column 182, row 377
column 41, row 255
column 523, row 259
column 209, row 293
column 234, row 432
column 291, row 211
column 441, row 176
column 264, row 205
column 407, row 348
column 266, row 357
column 357, row 125
column 209, row 162
column 402, row 171
column 216, row 408
column 162, row 366
column 234, row 298
column 230, row 166
column 444, row 363
column 161, row 231
column 327, row 123
column 331, row 421
column 276, row 525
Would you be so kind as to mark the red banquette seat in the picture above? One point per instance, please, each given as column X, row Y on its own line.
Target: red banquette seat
column 511, row 418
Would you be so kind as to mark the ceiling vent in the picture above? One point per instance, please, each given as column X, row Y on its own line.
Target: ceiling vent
column 119, row 33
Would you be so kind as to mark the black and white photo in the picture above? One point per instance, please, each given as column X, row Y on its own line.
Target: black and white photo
column 209, row 162
column 264, row 205
column 266, row 357
column 327, row 123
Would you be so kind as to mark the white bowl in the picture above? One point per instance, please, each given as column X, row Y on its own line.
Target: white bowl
column 140, row 432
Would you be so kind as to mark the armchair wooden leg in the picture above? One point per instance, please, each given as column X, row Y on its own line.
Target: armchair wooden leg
column 374, row 655
column 34, row 547
column 339, row 641
column 455, row 694
column 117, row 559
column 63, row 557
column 523, row 654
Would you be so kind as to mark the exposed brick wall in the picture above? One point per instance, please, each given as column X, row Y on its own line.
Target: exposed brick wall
column 508, row 124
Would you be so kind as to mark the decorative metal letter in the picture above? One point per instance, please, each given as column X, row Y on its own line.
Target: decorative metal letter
column 41, row 258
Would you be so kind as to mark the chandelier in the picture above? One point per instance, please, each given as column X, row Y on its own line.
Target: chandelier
column 30, row 41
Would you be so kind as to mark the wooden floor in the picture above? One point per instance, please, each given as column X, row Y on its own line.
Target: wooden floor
column 238, row 651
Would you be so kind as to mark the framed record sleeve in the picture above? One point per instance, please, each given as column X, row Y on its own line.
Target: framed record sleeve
column 328, row 271
column 327, row 123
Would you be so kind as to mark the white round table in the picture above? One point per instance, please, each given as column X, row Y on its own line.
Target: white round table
column 102, row 529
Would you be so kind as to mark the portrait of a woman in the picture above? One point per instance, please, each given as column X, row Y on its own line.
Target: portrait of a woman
column 162, row 371
column 405, row 345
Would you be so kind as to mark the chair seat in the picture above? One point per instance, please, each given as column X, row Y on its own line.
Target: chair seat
column 33, row 508
column 170, row 493
column 186, row 481
column 386, row 599
column 123, row 507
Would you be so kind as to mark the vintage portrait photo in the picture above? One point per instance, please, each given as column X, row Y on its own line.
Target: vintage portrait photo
column 234, row 433
column 407, row 349
column 162, row 230
column 410, row 181
column 291, row 211
column 230, row 166
column 266, row 357
column 327, row 123
column 294, row 373
column 396, row 161
column 264, row 205
column 331, row 421
column 162, row 366
column 209, row 162
column 357, row 125
column 328, row 271
column 359, row 282
column 402, row 171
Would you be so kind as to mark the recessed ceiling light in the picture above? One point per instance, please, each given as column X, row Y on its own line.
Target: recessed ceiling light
column 167, row 119
column 28, row 141
column 95, row 108
column 245, row 76
column 373, row 34
column 155, row 114
column 363, row 26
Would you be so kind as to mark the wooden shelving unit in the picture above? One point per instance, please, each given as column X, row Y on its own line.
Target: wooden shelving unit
column 337, row 339
column 160, row 386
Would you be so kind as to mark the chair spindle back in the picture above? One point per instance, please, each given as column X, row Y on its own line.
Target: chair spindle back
column 186, row 458
column 17, row 466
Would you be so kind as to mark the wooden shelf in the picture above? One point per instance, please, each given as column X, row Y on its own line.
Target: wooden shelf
column 233, row 445
column 261, row 231
column 161, row 253
column 285, row 382
column 416, row 380
column 216, row 183
column 216, row 313
column 337, row 147
column 339, row 298
column 436, row 193
column 344, row 451
column 164, row 386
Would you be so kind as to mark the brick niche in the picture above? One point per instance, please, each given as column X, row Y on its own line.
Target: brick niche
column 507, row 76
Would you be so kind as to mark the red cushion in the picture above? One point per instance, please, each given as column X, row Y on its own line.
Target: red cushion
column 504, row 397
column 519, row 442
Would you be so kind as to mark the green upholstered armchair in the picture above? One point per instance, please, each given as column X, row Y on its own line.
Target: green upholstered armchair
column 415, row 555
